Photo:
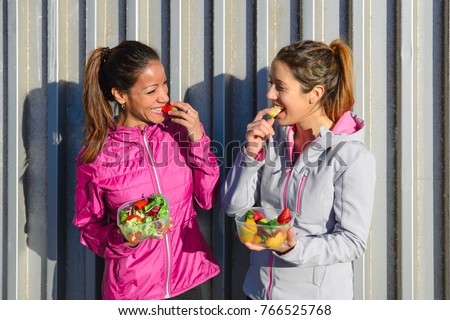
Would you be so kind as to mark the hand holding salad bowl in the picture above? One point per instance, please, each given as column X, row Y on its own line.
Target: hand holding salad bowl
column 266, row 228
column 145, row 218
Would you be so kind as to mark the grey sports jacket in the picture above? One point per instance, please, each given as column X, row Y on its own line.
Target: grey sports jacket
column 331, row 190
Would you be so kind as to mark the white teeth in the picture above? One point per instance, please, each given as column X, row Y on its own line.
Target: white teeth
column 157, row 109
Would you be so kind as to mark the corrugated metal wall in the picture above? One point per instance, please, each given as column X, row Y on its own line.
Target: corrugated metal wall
column 216, row 54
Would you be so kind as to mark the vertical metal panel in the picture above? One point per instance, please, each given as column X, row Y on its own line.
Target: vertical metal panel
column 440, row 173
column 262, row 52
column 176, row 43
column 12, row 182
column 133, row 27
column 426, row 144
column 240, row 66
column 330, row 21
column 219, row 136
column 359, row 32
column 374, row 112
column 217, row 54
column 151, row 25
column 445, row 104
column 282, row 26
column 54, row 139
column 90, row 279
column 408, row 152
column 3, row 143
column 75, row 281
column 310, row 26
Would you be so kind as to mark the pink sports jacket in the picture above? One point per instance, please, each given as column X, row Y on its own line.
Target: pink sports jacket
column 136, row 163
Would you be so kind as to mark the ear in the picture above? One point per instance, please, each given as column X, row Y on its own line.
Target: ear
column 120, row 97
column 317, row 93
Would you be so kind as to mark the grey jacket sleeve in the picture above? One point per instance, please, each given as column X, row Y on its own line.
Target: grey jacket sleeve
column 353, row 204
column 239, row 191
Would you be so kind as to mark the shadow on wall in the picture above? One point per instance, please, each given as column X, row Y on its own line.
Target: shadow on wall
column 241, row 99
column 52, row 136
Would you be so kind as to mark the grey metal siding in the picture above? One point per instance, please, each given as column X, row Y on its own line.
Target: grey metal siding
column 217, row 54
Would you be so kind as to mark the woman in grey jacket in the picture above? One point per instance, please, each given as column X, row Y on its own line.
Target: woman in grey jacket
column 312, row 160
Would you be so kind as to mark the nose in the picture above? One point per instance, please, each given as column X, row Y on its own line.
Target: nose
column 163, row 95
column 271, row 93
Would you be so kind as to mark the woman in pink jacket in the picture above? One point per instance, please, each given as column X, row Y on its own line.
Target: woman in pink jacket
column 135, row 154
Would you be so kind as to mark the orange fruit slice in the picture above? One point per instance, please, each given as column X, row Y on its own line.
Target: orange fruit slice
column 276, row 241
column 246, row 234
column 251, row 225
column 256, row 239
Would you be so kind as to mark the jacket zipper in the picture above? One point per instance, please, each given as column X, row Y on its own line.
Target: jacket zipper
column 270, row 277
column 166, row 237
column 302, row 184
column 300, row 191
column 289, row 172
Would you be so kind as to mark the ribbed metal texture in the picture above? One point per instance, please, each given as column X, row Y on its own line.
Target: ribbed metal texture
column 216, row 54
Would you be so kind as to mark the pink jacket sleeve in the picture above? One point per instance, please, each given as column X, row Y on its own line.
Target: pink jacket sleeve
column 205, row 172
column 96, row 233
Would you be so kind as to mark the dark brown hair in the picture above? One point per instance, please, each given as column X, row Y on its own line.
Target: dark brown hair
column 314, row 63
column 107, row 68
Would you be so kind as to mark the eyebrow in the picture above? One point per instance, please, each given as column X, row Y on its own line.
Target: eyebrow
column 276, row 80
column 153, row 85
column 150, row 85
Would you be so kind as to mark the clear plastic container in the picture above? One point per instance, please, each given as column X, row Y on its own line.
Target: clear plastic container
column 260, row 234
column 135, row 230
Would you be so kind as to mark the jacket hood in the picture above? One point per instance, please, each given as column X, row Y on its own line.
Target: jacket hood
column 349, row 129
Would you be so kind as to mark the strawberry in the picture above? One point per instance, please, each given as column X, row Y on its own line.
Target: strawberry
column 284, row 217
column 168, row 107
column 255, row 215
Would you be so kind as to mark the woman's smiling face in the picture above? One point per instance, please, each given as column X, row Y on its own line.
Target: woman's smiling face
column 287, row 93
column 143, row 102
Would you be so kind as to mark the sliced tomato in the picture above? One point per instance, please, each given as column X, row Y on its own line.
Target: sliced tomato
column 139, row 205
column 138, row 218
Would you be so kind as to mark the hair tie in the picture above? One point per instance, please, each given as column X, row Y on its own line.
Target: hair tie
column 105, row 53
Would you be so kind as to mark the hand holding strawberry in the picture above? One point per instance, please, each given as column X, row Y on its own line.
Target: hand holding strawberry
column 183, row 114
column 258, row 131
column 168, row 107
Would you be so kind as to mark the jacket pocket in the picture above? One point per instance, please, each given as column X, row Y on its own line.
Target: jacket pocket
column 319, row 275
column 300, row 192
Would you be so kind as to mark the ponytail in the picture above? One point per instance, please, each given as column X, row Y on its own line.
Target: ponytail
column 345, row 98
column 98, row 111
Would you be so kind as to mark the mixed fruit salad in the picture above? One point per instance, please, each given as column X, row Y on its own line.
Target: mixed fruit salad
column 144, row 218
column 255, row 227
